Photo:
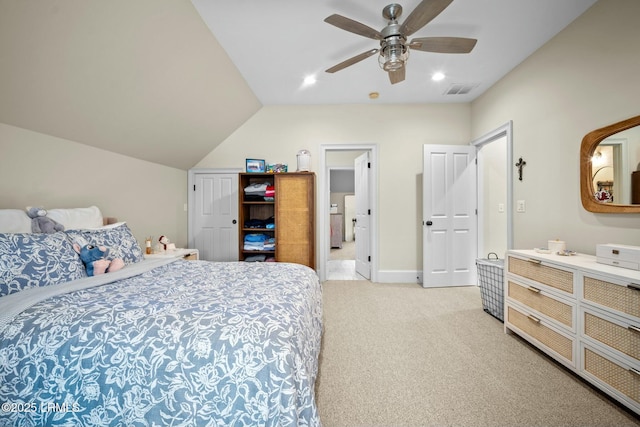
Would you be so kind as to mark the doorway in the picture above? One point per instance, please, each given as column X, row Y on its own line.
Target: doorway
column 495, row 191
column 342, row 157
column 342, row 251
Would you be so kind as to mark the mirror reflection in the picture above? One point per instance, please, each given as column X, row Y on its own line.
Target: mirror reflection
column 615, row 168
column 609, row 156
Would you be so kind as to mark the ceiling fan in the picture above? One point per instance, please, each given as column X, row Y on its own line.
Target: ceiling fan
column 394, row 49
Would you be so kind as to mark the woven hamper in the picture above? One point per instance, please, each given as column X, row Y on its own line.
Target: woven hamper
column 490, row 280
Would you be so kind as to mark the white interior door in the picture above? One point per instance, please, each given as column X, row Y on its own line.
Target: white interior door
column 363, row 261
column 449, row 225
column 216, row 213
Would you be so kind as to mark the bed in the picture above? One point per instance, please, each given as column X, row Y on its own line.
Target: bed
column 159, row 342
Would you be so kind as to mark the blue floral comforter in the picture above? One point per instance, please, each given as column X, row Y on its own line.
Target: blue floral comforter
column 189, row 343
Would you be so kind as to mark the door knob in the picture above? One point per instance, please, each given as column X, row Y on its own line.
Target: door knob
column 429, row 223
column 234, row 221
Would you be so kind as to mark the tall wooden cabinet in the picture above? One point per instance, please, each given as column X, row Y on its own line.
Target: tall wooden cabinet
column 291, row 211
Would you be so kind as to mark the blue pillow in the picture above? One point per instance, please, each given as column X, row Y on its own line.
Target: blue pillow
column 29, row 260
column 117, row 238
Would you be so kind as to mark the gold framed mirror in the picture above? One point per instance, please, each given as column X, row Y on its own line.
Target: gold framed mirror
column 616, row 190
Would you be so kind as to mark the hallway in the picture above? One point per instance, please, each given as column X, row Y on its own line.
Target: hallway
column 342, row 263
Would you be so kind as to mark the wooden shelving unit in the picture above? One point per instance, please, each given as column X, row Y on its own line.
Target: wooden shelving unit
column 292, row 211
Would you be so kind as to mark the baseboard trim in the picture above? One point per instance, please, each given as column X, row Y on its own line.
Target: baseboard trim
column 399, row 276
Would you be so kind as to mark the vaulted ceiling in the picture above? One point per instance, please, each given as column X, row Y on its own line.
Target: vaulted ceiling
column 276, row 44
column 144, row 78
column 168, row 80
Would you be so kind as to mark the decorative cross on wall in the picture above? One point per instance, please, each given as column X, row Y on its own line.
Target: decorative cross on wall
column 520, row 164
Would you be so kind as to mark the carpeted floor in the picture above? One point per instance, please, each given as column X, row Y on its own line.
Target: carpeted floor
column 401, row 355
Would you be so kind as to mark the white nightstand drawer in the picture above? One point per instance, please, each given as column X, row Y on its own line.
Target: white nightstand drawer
column 188, row 254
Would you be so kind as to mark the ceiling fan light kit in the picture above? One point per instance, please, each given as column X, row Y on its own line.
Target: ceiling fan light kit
column 393, row 53
column 394, row 49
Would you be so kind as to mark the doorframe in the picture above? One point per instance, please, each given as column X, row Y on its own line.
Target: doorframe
column 191, row 181
column 505, row 131
column 325, row 204
column 621, row 174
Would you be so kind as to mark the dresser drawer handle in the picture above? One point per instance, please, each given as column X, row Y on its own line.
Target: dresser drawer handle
column 633, row 328
column 534, row 290
column 533, row 318
column 633, row 286
column 634, row 371
column 538, row 262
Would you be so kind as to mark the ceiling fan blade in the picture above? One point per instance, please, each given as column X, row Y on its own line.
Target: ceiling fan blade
column 351, row 61
column 443, row 44
column 422, row 14
column 397, row 76
column 352, row 26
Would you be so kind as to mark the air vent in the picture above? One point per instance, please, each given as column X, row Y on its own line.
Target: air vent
column 460, row 88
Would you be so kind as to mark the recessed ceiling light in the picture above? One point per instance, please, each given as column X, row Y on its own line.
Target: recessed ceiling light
column 374, row 95
column 436, row 77
column 310, row 80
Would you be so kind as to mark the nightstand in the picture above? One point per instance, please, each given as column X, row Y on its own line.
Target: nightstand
column 188, row 254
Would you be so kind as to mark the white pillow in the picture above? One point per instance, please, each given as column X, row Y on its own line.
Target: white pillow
column 77, row 218
column 105, row 227
column 14, row 221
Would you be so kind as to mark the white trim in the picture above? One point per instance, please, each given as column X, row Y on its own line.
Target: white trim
column 624, row 172
column 399, row 276
column 322, row 209
column 506, row 131
column 191, row 180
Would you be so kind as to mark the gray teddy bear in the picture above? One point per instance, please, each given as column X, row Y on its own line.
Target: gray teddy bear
column 41, row 223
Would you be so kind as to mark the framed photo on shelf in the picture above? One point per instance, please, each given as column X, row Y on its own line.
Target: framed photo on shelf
column 255, row 166
column 276, row 168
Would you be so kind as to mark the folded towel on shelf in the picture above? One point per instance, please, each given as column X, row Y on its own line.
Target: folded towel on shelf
column 255, row 237
column 256, row 189
column 255, row 192
column 259, row 242
column 270, row 244
column 270, row 191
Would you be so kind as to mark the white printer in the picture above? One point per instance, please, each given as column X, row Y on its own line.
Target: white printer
column 619, row 255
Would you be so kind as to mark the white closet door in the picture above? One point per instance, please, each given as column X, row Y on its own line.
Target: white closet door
column 216, row 214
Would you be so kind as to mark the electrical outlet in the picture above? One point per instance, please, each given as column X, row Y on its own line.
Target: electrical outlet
column 501, row 207
column 520, row 206
column 185, row 207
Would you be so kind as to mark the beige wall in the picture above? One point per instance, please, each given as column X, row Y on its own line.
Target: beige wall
column 584, row 78
column 494, row 169
column 277, row 133
column 41, row 170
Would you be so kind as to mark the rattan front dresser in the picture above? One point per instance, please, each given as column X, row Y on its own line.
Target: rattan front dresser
column 584, row 314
